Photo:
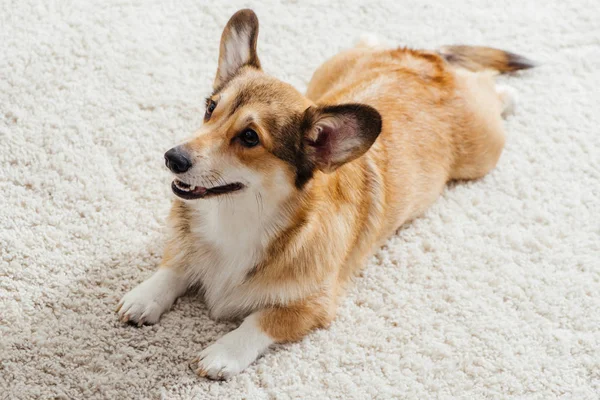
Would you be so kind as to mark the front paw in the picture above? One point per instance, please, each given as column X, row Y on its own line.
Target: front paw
column 139, row 307
column 232, row 353
column 218, row 361
column 147, row 301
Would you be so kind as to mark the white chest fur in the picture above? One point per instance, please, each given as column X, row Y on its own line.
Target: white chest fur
column 230, row 236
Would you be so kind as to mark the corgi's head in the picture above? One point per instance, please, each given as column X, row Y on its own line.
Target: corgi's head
column 260, row 134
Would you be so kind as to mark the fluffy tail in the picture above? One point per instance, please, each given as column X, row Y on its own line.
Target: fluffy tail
column 478, row 58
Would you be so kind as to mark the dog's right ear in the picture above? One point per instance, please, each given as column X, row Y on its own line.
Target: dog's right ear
column 238, row 46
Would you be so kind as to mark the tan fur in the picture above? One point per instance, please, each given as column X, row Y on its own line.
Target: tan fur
column 440, row 121
column 438, row 125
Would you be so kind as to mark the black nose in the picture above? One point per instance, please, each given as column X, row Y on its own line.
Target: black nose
column 177, row 161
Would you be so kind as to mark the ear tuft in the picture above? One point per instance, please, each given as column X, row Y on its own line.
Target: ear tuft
column 339, row 134
column 238, row 46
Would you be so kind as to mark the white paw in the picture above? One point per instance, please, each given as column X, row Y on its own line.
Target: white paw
column 150, row 299
column 232, row 353
column 219, row 361
column 508, row 97
column 372, row 40
column 140, row 306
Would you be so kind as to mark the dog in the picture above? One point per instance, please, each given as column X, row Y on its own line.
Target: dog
column 282, row 197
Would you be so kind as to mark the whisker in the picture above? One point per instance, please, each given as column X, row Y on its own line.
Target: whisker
column 203, row 181
column 222, row 181
column 256, row 198
column 230, row 199
column 219, row 177
column 258, row 205
column 210, row 179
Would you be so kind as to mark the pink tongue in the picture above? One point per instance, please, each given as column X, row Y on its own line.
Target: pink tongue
column 201, row 191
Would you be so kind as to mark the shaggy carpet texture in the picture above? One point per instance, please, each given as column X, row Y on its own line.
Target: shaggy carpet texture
column 493, row 293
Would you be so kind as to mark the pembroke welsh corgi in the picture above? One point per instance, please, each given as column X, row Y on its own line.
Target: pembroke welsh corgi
column 281, row 197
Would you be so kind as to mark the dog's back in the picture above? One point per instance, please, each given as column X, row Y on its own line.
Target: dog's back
column 441, row 114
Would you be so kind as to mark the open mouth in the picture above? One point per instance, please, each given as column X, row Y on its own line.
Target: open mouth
column 190, row 192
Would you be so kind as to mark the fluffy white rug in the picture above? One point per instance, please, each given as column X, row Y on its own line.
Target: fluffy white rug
column 494, row 293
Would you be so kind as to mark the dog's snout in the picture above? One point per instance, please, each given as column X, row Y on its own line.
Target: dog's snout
column 177, row 160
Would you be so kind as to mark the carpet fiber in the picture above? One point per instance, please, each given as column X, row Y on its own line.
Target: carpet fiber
column 493, row 293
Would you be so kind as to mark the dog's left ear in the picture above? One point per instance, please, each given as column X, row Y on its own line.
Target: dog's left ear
column 335, row 135
column 238, row 46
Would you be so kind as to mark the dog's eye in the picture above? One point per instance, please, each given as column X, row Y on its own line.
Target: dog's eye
column 210, row 107
column 249, row 138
